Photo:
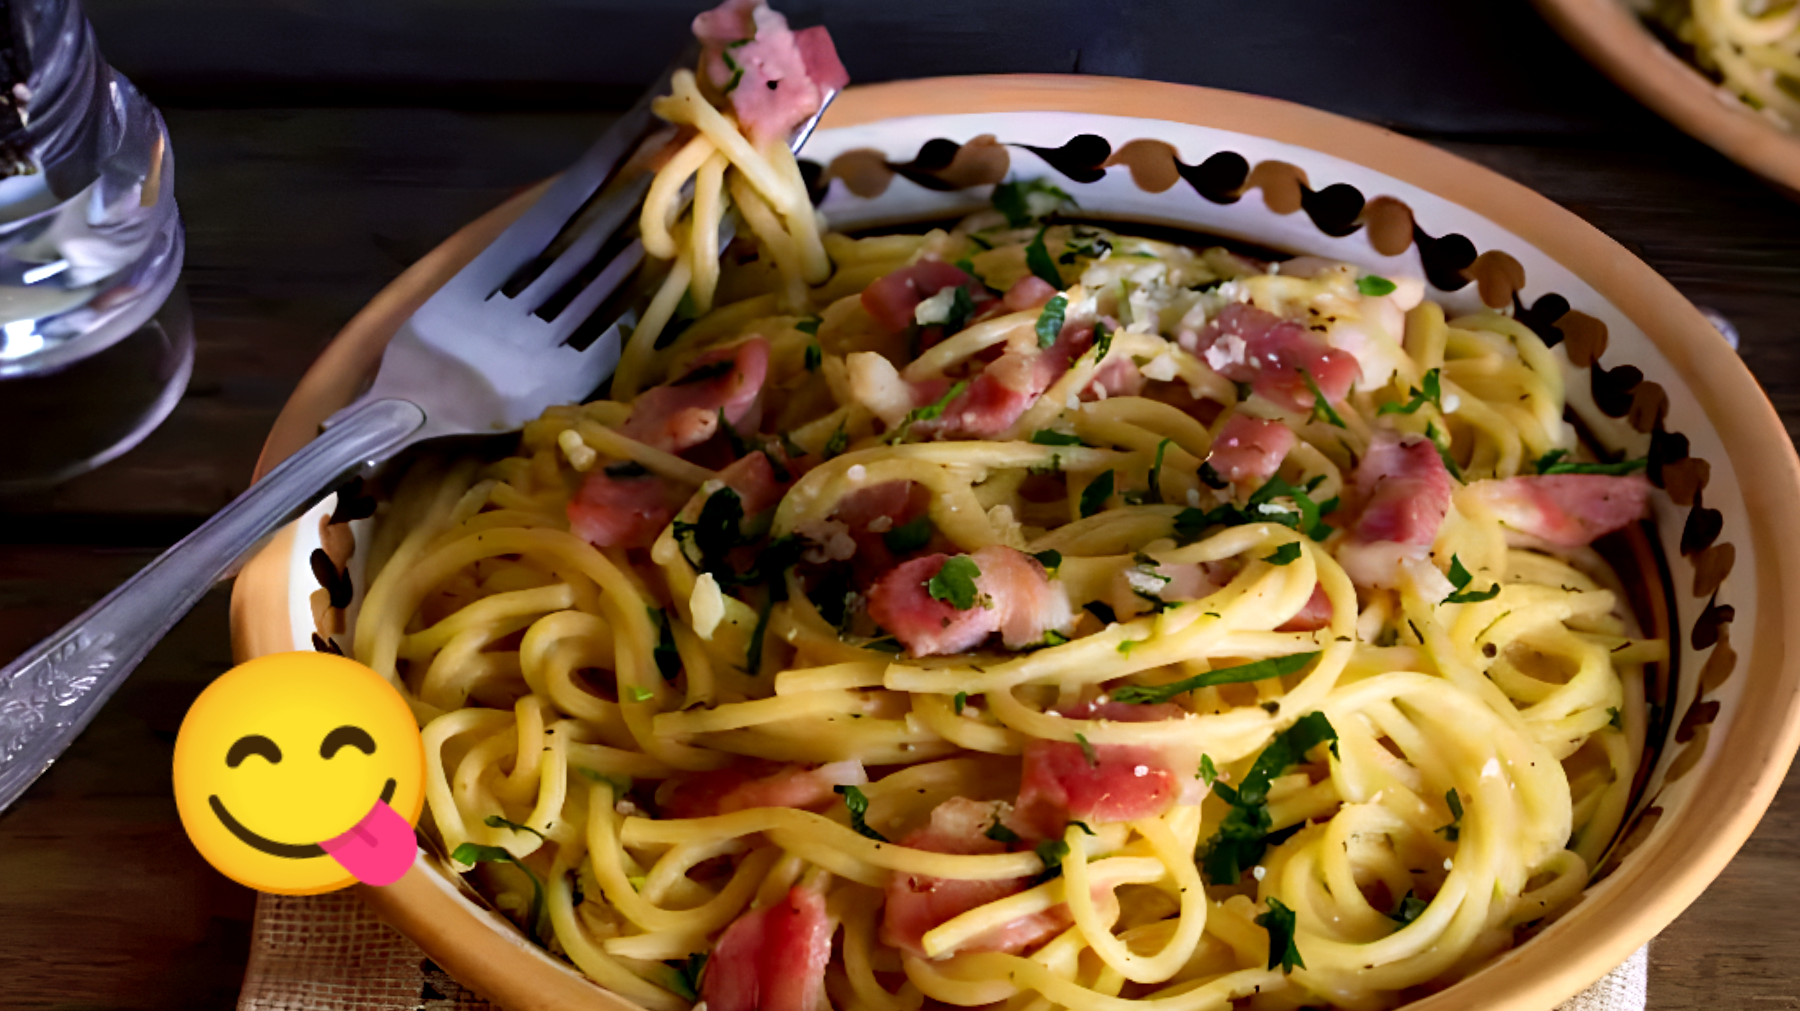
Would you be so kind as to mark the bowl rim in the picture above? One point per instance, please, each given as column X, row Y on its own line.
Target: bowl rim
column 1686, row 855
column 1612, row 37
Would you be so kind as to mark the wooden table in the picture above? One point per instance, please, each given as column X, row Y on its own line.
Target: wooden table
column 309, row 179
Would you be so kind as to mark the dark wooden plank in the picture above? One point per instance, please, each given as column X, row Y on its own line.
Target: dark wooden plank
column 109, row 906
column 1418, row 64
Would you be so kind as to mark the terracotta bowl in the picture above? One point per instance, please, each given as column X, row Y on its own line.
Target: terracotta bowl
column 1646, row 375
column 1614, row 39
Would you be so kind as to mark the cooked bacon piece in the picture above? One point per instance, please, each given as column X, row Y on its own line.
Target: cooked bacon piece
column 1247, row 345
column 1567, row 510
column 1014, row 597
column 1249, row 450
column 624, row 506
column 757, row 784
column 1118, row 376
column 785, row 74
column 918, row 903
column 1403, row 491
column 685, row 411
column 1029, row 292
column 1121, row 782
column 771, row 959
column 754, row 480
column 891, row 299
column 1006, row 388
column 1313, row 615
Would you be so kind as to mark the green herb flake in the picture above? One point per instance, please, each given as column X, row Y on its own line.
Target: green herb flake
column 1088, row 752
column 638, row 694
column 684, row 975
column 1051, row 560
column 1279, row 922
column 1615, row 719
column 908, row 537
column 1321, row 407
column 1156, row 471
column 495, row 821
column 954, row 584
column 753, row 653
column 839, row 441
column 1051, row 437
column 1460, row 578
column 668, row 658
column 1285, row 554
column 1103, row 338
column 1052, row 852
column 1210, row 477
column 1208, row 773
column 1430, row 393
column 1260, row 670
column 1452, row 831
column 1000, row 833
column 858, row 804
column 1013, row 199
column 1037, row 257
column 1370, row 284
column 1083, row 826
column 960, row 702
column 1552, row 463
column 1410, row 908
column 1096, row 494
column 472, row 853
column 930, row 412
column 1126, row 646
column 737, row 72
column 1101, row 610
column 809, row 326
column 1050, row 320
column 814, row 357
column 1244, row 834
column 1442, row 441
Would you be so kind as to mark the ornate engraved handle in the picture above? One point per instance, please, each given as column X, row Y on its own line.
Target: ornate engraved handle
column 48, row 695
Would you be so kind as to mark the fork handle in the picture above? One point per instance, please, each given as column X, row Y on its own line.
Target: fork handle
column 49, row 694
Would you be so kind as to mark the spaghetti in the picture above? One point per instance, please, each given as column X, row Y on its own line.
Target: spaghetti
column 1023, row 613
column 1752, row 47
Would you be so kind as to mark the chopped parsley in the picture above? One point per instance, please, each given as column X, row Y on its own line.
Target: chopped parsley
column 1051, row 852
column 1013, row 199
column 1460, row 578
column 1101, row 610
column 908, row 537
column 668, row 658
column 1083, row 826
column 1091, row 246
column 740, row 447
column 858, row 805
column 1615, row 719
column 1037, row 257
column 954, row 584
column 809, row 326
column 839, row 441
column 1279, row 922
column 1000, row 833
column 684, row 975
column 1321, row 407
column 737, row 72
column 1304, row 517
column 1285, row 554
column 1410, row 908
column 1552, row 463
column 1051, row 437
column 473, row 853
column 814, row 357
column 495, row 821
column 1051, row 560
column 1370, row 284
column 1156, row 471
column 930, row 412
column 1208, row 773
column 1102, row 342
column 1260, row 670
column 1088, row 752
column 961, row 308
column 1452, row 831
column 960, row 702
column 714, row 532
column 885, row 644
column 1128, row 645
column 1442, row 441
column 1050, row 321
column 1094, row 496
column 1244, row 835
column 1428, row 392
column 753, row 653
column 1210, row 477
column 640, row 694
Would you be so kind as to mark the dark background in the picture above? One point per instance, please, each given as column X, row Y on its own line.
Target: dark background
column 323, row 145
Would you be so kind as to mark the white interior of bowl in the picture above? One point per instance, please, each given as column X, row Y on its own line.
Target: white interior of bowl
column 1249, row 218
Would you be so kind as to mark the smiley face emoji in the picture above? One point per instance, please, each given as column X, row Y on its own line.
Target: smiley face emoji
column 300, row 773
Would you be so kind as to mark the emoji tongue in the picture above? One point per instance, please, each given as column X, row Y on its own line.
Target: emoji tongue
column 378, row 850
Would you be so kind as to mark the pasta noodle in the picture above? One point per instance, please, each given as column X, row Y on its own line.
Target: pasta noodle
column 1751, row 46
column 1096, row 645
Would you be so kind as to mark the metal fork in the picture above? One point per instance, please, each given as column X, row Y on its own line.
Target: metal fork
column 481, row 356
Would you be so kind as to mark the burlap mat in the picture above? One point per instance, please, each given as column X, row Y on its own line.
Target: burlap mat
column 330, row 953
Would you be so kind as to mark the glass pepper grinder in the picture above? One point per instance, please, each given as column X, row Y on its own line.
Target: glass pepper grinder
column 96, row 342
